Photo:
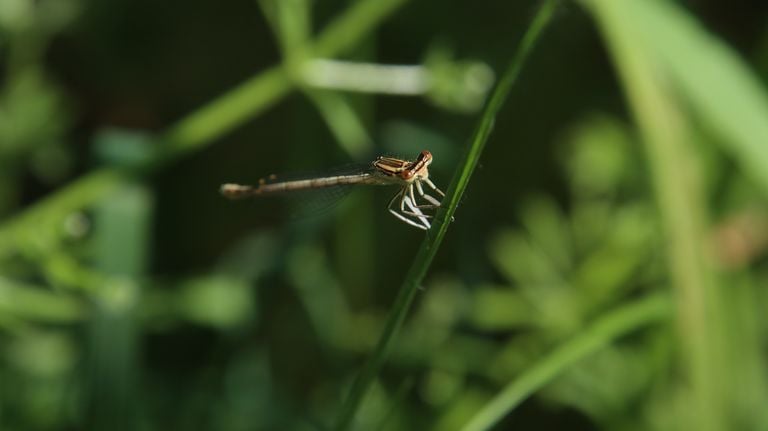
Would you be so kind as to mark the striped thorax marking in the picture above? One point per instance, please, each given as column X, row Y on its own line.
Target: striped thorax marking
column 404, row 169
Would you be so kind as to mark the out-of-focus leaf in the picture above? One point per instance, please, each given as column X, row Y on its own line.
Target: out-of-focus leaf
column 613, row 265
column 32, row 114
column 605, row 385
column 597, row 156
column 663, row 58
column 441, row 385
column 43, row 354
column 549, row 231
column 497, row 308
column 122, row 147
column 457, row 85
column 523, row 261
column 602, row 331
column 217, row 301
column 721, row 90
column 33, row 303
column 459, row 411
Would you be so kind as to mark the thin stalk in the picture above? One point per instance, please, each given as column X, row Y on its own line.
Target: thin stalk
column 602, row 332
column 679, row 186
column 290, row 24
column 113, row 347
column 33, row 224
column 31, row 303
column 435, row 235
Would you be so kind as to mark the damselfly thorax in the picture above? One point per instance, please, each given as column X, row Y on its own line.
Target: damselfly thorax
column 411, row 204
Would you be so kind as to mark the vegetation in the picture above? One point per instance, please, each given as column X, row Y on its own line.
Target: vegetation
column 597, row 262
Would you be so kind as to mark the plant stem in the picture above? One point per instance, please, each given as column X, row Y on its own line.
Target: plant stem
column 679, row 186
column 435, row 235
column 611, row 326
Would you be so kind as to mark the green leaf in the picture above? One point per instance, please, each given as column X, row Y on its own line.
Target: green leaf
column 602, row 332
column 721, row 90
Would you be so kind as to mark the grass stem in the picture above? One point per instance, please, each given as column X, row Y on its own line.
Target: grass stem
column 603, row 331
column 431, row 243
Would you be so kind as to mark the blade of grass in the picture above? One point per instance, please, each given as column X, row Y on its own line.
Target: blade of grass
column 37, row 226
column 345, row 32
column 121, row 245
column 247, row 100
column 725, row 95
column 679, row 188
column 602, row 332
column 343, row 121
column 260, row 92
column 200, row 127
column 290, row 21
column 290, row 24
column 37, row 304
column 431, row 243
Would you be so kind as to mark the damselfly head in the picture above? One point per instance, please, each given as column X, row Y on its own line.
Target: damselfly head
column 418, row 168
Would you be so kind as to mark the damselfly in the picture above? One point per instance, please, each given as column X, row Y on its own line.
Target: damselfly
column 411, row 176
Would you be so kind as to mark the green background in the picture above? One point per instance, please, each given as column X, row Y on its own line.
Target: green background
column 605, row 269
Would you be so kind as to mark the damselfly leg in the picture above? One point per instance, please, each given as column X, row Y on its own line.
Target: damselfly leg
column 401, row 197
column 434, row 202
column 410, row 209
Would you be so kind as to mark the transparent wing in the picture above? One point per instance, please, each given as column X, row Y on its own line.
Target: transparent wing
column 297, row 204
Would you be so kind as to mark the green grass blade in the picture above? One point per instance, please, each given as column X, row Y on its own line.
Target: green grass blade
column 722, row 92
column 676, row 166
column 347, row 30
column 39, row 225
column 602, row 332
column 227, row 112
column 435, row 235
column 32, row 303
column 259, row 93
column 291, row 25
column 121, row 248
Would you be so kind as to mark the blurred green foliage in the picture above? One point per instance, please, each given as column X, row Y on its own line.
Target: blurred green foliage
column 604, row 270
